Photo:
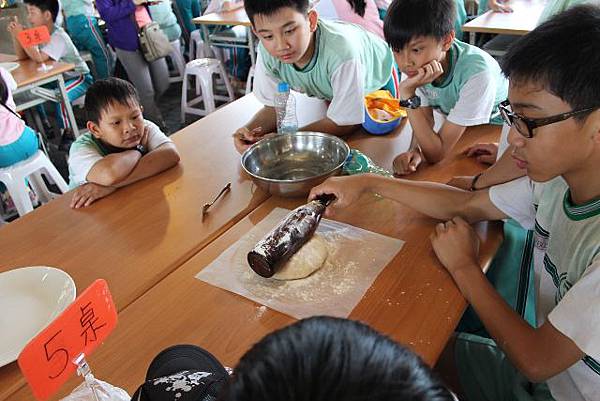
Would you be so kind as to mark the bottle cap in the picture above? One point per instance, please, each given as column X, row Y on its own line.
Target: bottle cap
column 283, row 87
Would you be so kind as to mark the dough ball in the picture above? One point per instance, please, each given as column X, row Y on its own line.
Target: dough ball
column 306, row 261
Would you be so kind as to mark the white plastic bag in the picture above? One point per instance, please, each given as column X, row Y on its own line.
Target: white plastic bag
column 104, row 390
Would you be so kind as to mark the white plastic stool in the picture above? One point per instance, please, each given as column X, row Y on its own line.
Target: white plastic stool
column 203, row 69
column 14, row 178
column 176, row 57
column 198, row 49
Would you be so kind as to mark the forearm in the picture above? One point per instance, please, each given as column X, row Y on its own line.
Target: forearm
column 330, row 127
column 114, row 168
column 264, row 118
column 526, row 347
column 158, row 160
column 19, row 52
column 502, row 171
column 35, row 54
column 435, row 200
column 429, row 141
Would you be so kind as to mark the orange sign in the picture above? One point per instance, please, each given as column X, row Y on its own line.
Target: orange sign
column 34, row 36
column 47, row 361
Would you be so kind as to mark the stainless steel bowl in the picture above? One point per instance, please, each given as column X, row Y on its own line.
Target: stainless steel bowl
column 290, row 165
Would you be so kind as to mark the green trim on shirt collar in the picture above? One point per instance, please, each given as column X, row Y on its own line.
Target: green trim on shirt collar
column 452, row 57
column 315, row 56
column 104, row 148
column 580, row 212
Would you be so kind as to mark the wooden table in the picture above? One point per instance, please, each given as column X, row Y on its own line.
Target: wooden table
column 233, row 17
column 521, row 21
column 413, row 300
column 138, row 235
column 30, row 79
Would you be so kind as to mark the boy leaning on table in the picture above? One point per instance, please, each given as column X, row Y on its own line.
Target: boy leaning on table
column 120, row 148
column 60, row 48
column 334, row 61
column 553, row 108
column 461, row 81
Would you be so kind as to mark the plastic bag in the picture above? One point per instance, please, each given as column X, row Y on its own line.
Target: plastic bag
column 105, row 391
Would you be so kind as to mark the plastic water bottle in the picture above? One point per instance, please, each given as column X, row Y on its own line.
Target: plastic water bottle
column 285, row 108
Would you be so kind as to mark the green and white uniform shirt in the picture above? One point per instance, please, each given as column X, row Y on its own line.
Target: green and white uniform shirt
column 567, row 274
column 88, row 150
column 61, row 48
column 471, row 91
column 348, row 64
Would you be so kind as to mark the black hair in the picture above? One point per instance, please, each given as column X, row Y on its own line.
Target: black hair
column 358, row 6
column 409, row 19
column 331, row 359
column 46, row 5
column 105, row 92
column 563, row 56
column 270, row 7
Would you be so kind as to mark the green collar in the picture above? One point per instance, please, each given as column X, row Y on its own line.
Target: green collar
column 452, row 57
column 313, row 59
column 104, row 148
column 580, row 212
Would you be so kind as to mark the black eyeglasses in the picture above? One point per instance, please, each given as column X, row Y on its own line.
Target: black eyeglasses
column 525, row 126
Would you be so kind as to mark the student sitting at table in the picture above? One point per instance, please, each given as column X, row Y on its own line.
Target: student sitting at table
column 334, row 61
column 60, row 48
column 331, row 359
column 553, row 108
column 17, row 141
column 461, row 81
column 121, row 146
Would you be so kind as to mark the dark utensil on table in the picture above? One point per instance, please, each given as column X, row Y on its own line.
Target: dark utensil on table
column 207, row 206
column 287, row 238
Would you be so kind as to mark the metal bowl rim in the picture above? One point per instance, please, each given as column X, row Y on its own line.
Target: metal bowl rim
column 302, row 133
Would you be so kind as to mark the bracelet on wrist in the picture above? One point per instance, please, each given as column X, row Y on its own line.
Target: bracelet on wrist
column 474, row 182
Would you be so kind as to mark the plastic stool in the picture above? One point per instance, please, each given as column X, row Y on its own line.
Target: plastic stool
column 14, row 178
column 176, row 57
column 198, row 49
column 203, row 69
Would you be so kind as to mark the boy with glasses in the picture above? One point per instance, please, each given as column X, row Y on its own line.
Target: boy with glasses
column 554, row 97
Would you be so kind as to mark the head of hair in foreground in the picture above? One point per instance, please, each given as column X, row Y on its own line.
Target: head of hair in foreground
column 106, row 92
column 407, row 20
column 331, row 359
column 561, row 56
column 267, row 8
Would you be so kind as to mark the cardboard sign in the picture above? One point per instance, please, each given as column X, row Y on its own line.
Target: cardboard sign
column 47, row 360
column 34, row 36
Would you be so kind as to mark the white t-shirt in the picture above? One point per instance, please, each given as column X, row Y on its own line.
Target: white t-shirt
column 475, row 102
column 567, row 273
column 87, row 151
column 61, row 48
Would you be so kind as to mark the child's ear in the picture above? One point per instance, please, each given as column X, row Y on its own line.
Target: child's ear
column 48, row 16
column 313, row 18
column 94, row 129
column 447, row 40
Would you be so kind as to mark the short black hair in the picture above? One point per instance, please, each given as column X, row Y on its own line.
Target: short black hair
column 46, row 5
column 105, row 92
column 331, row 359
column 563, row 56
column 270, row 7
column 409, row 19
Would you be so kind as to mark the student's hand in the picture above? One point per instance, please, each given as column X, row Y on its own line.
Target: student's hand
column 87, row 194
column 345, row 189
column 243, row 138
column 485, row 153
column 498, row 6
column 144, row 138
column 407, row 162
column 425, row 75
column 461, row 181
column 14, row 26
column 456, row 245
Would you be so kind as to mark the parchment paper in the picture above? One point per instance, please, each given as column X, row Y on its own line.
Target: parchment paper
column 356, row 257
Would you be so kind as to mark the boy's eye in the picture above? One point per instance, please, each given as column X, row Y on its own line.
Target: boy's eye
column 116, row 122
column 290, row 31
column 267, row 37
